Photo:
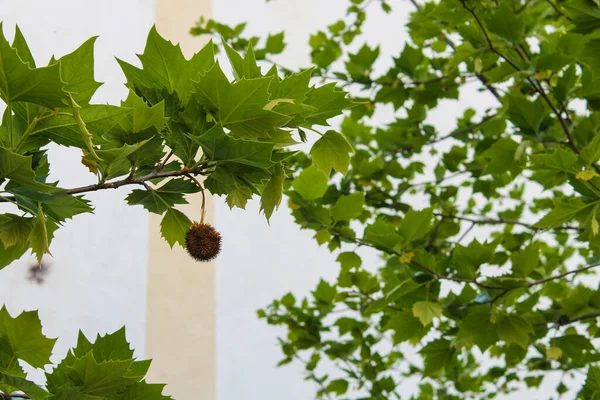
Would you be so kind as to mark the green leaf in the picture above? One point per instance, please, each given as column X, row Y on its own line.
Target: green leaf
column 360, row 64
column 94, row 371
column 323, row 236
column 160, row 200
column 112, row 346
column 525, row 114
column 99, row 120
column 348, row 207
column 174, row 227
column 17, row 168
column 467, row 259
column 409, row 60
column 14, row 230
column 565, row 210
column 331, row 151
column 77, row 71
column 478, row 327
column 57, row 206
column 585, row 15
column 560, row 160
column 105, row 378
column 591, row 388
column 405, row 327
column 591, row 153
column 324, row 292
column 573, row 346
column 337, row 386
column 464, row 52
column 416, row 224
column 165, row 67
column 239, row 106
column 349, row 260
column 10, row 254
column 273, row 191
column 426, row 311
column 525, row 261
column 328, row 102
column 22, row 48
column 23, row 385
column 294, row 86
column 243, row 67
column 115, row 162
column 514, row 329
column 41, row 235
column 238, row 197
column 218, row 146
column 382, row 234
column 505, row 23
column 438, row 355
column 145, row 391
column 22, row 339
column 143, row 115
column 501, row 157
column 311, row 184
column 19, row 82
column 275, row 43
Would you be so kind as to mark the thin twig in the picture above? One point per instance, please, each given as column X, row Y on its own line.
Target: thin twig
column 562, row 14
column 203, row 206
column 469, row 229
column 468, row 129
column 501, row 221
column 551, row 278
column 534, row 82
column 160, row 166
column 570, row 320
column 452, row 45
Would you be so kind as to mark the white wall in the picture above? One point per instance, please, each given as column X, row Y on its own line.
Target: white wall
column 96, row 279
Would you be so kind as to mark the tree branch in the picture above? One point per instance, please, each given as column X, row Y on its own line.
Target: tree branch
column 129, row 181
column 570, row 320
column 558, row 11
column 468, row 129
column 500, row 221
column 551, row 278
column 532, row 81
column 417, row 264
column 481, row 78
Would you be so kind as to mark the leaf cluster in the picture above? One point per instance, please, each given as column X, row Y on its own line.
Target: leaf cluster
column 102, row 370
column 487, row 230
column 183, row 119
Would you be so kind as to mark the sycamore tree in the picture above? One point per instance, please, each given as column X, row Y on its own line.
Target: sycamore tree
column 186, row 126
column 487, row 230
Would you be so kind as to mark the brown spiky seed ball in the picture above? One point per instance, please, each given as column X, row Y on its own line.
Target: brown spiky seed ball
column 203, row 242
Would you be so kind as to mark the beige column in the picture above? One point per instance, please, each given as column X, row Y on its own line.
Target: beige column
column 180, row 332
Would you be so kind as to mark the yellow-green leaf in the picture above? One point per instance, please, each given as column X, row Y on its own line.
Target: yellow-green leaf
column 586, row 175
column 426, row 311
column 407, row 257
column 273, row 192
column 332, row 150
column 41, row 236
column 323, row 236
column 554, row 353
column 270, row 105
column 238, row 197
